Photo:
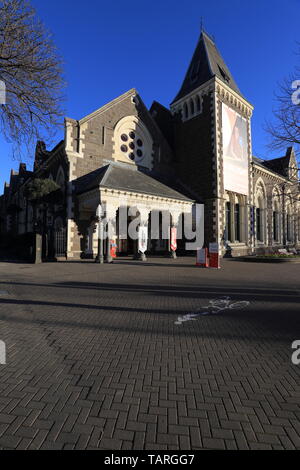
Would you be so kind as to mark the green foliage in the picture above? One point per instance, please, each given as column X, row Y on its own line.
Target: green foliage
column 39, row 188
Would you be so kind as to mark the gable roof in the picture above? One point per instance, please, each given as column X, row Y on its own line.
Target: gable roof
column 124, row 177
column 281, row 165
column 206, row 63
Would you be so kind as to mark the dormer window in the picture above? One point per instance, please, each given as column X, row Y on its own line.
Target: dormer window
column 194, row 71
column 224, row 74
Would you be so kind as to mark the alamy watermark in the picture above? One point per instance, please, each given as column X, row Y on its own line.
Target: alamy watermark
column 2, row 92
column 296, row 93
column 2, row 353
column 296, row 353
column 130, row 218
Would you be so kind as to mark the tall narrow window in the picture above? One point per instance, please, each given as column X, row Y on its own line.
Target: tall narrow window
column 237, row 225
column 185, row 111
column 275, row 226
column 192, row 107
column 228, row 234
column 198, row 105
column 289, row 227
column 259, row 224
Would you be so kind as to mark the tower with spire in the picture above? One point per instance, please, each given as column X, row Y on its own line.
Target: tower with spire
column 207, row 96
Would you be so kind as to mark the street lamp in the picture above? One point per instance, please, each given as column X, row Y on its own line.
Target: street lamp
column 100, row 258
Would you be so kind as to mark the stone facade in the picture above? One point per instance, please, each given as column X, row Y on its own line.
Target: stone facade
column 180, row 148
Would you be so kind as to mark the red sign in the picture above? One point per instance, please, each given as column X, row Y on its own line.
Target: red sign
column 113, row 249
column 173, row 243
column 214, row 257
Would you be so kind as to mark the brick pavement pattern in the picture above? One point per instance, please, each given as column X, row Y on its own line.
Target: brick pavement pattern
column 96, row 361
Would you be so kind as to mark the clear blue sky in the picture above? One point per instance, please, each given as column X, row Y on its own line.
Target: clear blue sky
column 109, row 48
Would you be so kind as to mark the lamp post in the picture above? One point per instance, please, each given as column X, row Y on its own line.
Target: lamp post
column 100, row 258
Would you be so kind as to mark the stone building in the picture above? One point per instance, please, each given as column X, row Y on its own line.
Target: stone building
column 163, row 161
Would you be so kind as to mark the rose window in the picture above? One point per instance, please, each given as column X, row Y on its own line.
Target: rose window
column 134, row 147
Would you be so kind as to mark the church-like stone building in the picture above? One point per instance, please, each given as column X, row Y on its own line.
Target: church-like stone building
column 162, row 160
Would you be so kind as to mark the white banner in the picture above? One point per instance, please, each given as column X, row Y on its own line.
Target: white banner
column 143, row 239
column 235, row 151
column 214, row 248
column 201, row 256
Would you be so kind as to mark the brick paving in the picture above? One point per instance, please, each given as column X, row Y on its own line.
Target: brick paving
column 96, row 361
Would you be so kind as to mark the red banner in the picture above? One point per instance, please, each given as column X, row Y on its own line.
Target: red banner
column 214, row 257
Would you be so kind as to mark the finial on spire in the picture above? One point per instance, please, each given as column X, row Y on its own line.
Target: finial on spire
column 201, row 24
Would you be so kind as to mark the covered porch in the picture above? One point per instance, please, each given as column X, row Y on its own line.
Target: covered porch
column 120, row 201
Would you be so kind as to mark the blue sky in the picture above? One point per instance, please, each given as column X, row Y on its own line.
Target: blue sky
column 109, row 48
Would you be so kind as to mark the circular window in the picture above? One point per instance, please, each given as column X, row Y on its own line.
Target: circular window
column 132, row 146
column 124, row 148
column 139, row 153
column 139, row 142
column 131, row 156
column 124, row 137
column 132, row 135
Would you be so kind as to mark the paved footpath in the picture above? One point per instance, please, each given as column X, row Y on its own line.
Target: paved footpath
column 111, row 357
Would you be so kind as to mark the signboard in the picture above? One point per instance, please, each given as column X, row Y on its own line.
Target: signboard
column 214, row 248
column 173, row 243
column 214, row 258
column 113, row 249
column 143, row 239
column 202, row 258
column 235, row 151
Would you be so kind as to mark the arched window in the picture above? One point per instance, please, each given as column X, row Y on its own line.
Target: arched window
column 185, row 111
column 260, row 211
column 228, row 232
column 289, row 224
column 60, row 178
column 237, row 222
column 276, row 215
column 259, row 229
column 275, row 226
column 192, row 107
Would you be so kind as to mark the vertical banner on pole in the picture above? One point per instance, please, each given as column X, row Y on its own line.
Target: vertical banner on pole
column 214, row 257
column 173, row 243
column 202, row 258
column 113, row 249
column 143, row 239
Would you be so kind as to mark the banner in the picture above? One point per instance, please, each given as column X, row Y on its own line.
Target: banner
column 202, row 258
column 235, row 151
column 214, row 257
column 143, row 239
column 173, row 243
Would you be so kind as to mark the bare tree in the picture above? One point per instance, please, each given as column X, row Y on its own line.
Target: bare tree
column 284, row 129
column 31, row 71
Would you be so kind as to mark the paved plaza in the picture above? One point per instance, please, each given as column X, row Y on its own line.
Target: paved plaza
column 159, row 355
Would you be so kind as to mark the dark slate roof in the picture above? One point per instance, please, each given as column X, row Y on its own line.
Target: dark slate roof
column 206, row 63
column 90, row 180
column 164, row 119
column 125, row 177
column 279, row 165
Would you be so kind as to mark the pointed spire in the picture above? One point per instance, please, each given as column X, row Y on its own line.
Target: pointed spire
column 206, row 63
column 201, row 24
